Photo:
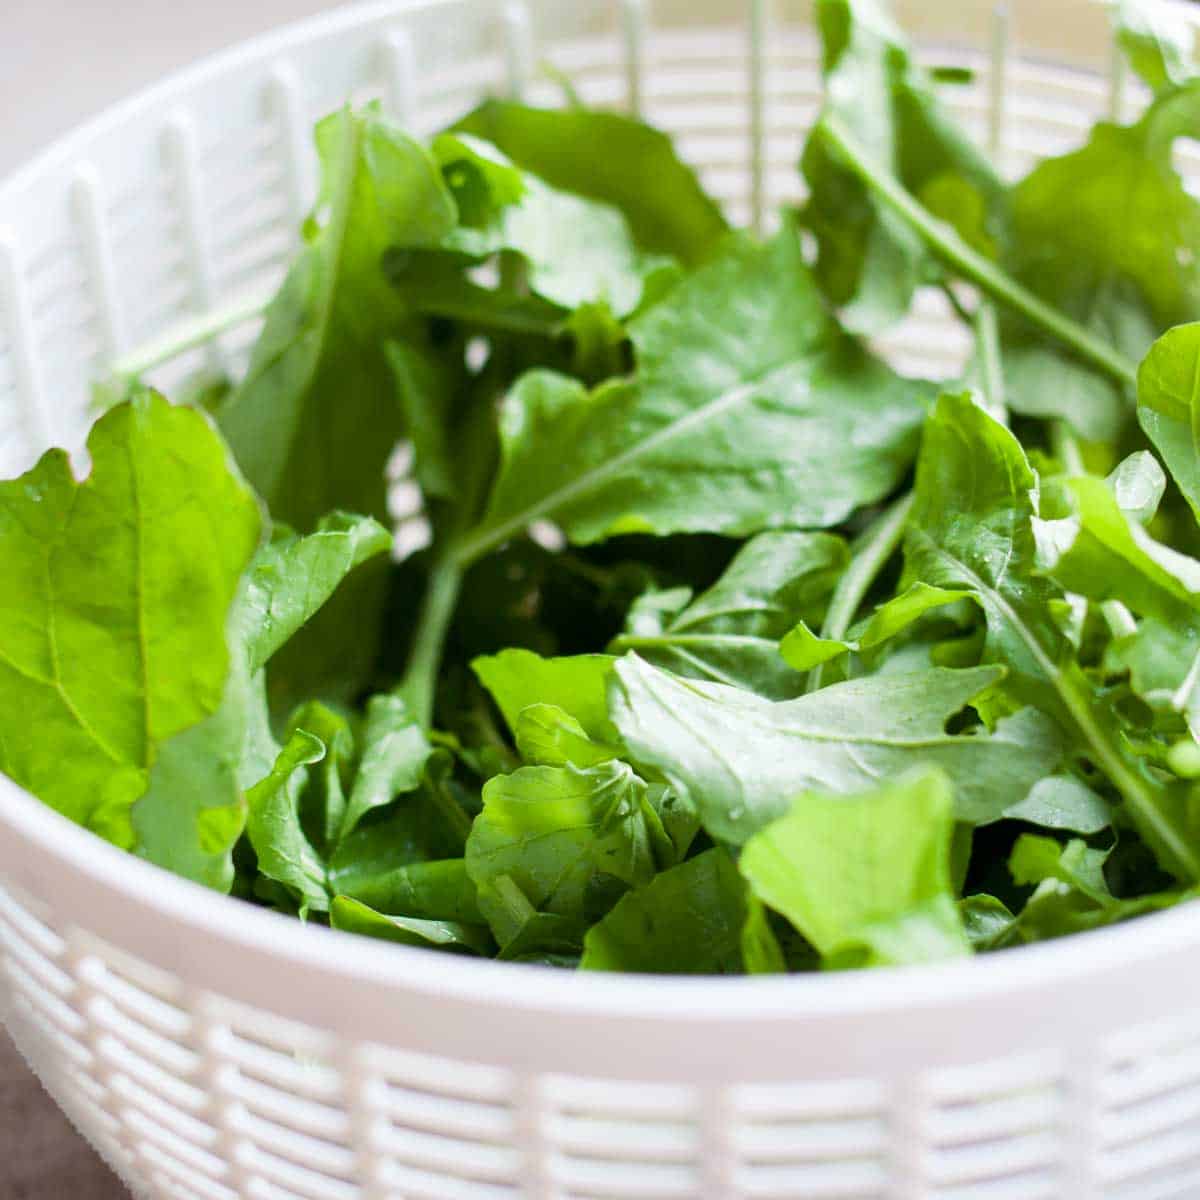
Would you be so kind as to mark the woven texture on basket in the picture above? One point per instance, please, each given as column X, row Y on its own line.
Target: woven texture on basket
column 213, row 1052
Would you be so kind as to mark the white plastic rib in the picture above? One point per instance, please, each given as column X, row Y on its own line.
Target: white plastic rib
column 234, row 1147
column 400, row 75
column 760, row 23
column 366, row 1116
column 179, row 145
column 1001, row 47
column 1082, row 1146
column 529, row 1133
column 518, row 48
column 286, row 98
column 88, row 207
column 634, row 22
column 718, row 1119
column 18, row 317
column 84, row 966
column 909, row 1132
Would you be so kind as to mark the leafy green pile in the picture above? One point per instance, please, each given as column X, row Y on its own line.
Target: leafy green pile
column 733, row 650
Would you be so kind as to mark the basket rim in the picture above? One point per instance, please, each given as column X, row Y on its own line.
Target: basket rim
column 144, row 887
column 29, row 827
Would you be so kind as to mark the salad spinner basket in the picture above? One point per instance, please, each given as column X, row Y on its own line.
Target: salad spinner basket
column 212, row 1051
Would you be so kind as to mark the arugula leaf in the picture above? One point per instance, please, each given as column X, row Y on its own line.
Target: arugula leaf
column 575, row 251
column 274, row 828
column 1063, row 802
column 609, row 158
column 438, row 891
column 315, row 418
column 292, row 577
column 1163, row 661
column 972, row 527
column 352, row 916
column 112, row 640
column 394, row 757
column 741, row 759
column 687, row 921
column 577, row 684
column 870, row 262
column 568, row 840
column 1169, row 406
column 865, row 878
column 730, row 633
column 1158, row 42
column 548, row 736
column 750, row 409
column 1106, row 235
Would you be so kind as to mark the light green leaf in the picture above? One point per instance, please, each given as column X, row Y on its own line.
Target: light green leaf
column 972, row 526
column 112, row 640
column 741, row 759
column 292, row 577
column 687, row 921
column 549, row 737
column 865, row 877
column 1063, row 802
column 749, row 410
column 576, row 684
column 565, row 838
column 608, row 157
column 395, row 753
column 438, row 891
column 730, row 633
column 1169, row 406
column 869, row 262
column 1158, row 40
column 1107, row 235
column 273, row 823
column 804, row 649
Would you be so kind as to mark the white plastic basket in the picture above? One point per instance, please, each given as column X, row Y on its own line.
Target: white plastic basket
column 213, row 1051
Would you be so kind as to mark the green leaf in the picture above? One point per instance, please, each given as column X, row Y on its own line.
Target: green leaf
column 324, row 335
column 568, row 840
column 1158, row 40
column 438, row 891
column 351, row 916
column 741, row 759
column 686, row 921
column 577, row 684
column 315, row 419
column 1169, row 406
column 425, row 389
column 1163, row 661
column 869, row 262
column 1106, row 234
column 292, row 577
column 608, row 157
column 1102, row 554
column 865, row 877
column 1036, row 858
column 749, row 410
column 394, row 757
column 273, row 824
column 575, row 250
column 1063, row 802
column 114, row 607
column 804, row 649
column 987, row 921
column 730, row 633
column 972, row 527
column 547, row 736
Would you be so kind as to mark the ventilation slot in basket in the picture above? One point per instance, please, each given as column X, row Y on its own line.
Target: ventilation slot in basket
column 992, row 1130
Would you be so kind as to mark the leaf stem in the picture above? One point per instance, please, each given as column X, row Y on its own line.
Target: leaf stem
column 984, row 273
column 437, row 609
column 873, row 548
column 987, row 338
column 187, row 335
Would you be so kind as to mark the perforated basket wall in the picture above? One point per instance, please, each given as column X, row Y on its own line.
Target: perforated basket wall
column 212, row 1051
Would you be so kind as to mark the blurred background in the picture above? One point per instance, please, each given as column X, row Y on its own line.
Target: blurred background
column 62, row 60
